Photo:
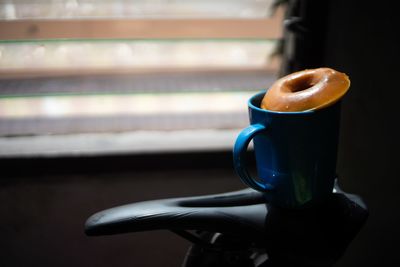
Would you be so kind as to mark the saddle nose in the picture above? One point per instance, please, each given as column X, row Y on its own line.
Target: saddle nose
column 235, row 212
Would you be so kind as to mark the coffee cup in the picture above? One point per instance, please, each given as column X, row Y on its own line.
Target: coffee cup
column 295, row 153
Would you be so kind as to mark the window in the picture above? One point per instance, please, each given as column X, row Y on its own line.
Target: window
column 124, row 73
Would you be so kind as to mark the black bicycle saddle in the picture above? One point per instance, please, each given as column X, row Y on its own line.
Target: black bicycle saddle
column 315, row 236
column 242, row 212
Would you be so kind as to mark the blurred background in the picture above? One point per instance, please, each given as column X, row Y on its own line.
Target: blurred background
column 91, row 68
column 104, row 103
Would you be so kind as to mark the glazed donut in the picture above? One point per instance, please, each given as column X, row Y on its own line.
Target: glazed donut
column 306, row 90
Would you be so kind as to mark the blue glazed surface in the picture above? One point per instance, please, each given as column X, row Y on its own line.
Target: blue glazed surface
column 295, row 153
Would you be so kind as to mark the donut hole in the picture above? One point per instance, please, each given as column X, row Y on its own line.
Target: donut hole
column 302, row 83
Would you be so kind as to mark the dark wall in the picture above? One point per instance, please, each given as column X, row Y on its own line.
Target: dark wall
column 44, row 204
column 362, row 42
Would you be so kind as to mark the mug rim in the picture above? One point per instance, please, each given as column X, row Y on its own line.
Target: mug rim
column 252, row 106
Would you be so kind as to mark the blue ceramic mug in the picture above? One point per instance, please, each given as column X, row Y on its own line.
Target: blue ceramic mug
column 295, row 153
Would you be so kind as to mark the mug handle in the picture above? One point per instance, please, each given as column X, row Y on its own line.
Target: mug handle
column 239, row 157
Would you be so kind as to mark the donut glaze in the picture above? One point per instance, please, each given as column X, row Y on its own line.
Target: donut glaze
column 306, row 90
